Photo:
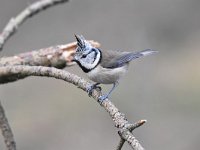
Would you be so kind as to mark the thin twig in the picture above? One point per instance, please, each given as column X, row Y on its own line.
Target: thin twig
column 130, row 127
column 121, row 143
column 132, row 141
column 6, row 130
column 31, row 10
column 119, row 118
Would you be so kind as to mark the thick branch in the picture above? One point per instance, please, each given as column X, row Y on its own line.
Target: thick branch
column 6, row 130
column 57, row 56
column 118, row 117
column 33, row 9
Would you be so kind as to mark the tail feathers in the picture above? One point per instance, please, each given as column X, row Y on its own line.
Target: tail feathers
column 124, row 59
column 131, row 56
column 145, row 52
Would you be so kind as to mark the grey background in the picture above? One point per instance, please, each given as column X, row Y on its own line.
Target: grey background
column 49, row 114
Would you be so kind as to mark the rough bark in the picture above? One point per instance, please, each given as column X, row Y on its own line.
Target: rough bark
column 119, row 118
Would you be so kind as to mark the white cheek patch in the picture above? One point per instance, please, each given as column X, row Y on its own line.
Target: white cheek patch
column 90, row 58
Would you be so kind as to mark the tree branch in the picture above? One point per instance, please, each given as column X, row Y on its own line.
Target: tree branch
column 7, row 32
column 119, row 118
column 58, row 56
column 130, row 127
column 6, row 130
column 31, row 10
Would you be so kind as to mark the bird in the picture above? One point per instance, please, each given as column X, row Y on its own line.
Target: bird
column 104, row 67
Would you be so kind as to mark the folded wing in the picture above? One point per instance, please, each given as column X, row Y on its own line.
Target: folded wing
column 114, row 59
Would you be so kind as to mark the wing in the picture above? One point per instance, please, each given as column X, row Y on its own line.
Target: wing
column 114, row 59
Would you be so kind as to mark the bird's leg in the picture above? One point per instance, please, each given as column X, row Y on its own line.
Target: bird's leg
column 92, row 87
column 103, row 97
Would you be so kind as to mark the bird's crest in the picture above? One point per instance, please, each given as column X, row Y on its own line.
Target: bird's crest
column 82, row 44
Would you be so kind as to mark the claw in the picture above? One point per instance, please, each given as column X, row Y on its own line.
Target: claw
column 102, row 98
column 90, row 88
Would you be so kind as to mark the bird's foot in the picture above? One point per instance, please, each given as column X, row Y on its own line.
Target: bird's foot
column 90, row 88
column 102, row 98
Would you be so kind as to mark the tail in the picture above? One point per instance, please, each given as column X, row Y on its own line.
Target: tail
column 145, row 52
column 129, row 57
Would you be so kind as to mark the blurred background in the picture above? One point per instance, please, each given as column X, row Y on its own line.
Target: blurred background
column 49, row 114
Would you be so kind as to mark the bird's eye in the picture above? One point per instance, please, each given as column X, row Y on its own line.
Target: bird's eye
column 84, row 56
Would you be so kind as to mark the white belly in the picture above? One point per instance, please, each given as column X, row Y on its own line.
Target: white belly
column 105, row 75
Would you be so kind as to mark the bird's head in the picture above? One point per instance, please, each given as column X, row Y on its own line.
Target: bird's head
column 87, row 56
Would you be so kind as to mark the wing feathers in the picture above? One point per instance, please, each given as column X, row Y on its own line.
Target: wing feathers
column 114, row 59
